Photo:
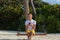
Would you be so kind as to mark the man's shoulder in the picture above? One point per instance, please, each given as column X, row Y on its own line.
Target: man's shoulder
column 34, row 20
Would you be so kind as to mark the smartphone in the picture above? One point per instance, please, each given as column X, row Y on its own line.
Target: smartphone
column 29, row 23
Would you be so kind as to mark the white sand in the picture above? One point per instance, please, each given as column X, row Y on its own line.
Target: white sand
column 5, row 35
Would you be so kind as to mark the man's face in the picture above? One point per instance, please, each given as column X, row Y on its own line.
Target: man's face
column 29, row 16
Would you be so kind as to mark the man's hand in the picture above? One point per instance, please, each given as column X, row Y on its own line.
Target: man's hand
column 30, row 24
column 33, row 26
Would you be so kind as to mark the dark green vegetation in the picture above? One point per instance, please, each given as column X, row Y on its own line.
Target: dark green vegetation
column 12, row 15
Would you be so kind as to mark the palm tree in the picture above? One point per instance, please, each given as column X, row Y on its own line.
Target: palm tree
column 33, row 7
column 26, row 7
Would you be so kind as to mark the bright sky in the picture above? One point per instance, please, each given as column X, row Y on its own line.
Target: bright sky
column 52, row 1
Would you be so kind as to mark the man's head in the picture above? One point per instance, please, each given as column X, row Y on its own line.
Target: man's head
column 29, row 16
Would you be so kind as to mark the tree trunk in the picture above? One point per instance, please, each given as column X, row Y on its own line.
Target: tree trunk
column 26, row 7
column 33, row 7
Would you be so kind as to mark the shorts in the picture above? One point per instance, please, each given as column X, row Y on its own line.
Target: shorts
column 28, row 31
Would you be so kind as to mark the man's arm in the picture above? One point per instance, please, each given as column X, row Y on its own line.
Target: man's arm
column 34, row 25
column 26, row 26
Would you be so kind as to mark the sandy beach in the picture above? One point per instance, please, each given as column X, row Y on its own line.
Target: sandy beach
column 13, row 36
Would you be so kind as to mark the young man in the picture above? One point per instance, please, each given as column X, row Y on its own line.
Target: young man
column 30, row 26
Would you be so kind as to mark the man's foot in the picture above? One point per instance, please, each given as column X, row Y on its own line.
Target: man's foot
column 29, row 38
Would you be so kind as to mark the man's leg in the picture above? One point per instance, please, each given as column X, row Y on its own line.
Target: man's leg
column 30, row 35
